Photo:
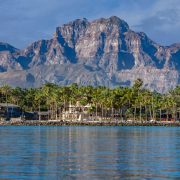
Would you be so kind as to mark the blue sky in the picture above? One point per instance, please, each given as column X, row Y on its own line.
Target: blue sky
column 25, row 21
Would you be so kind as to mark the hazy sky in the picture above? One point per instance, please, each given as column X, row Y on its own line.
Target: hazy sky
column 24, row 21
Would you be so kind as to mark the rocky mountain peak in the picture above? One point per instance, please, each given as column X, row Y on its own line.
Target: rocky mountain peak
column 113, row 21
column 99, row 52
column 70, row 32
column 7, row 47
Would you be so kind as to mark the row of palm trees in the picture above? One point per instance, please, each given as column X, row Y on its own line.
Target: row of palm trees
column 133, row 102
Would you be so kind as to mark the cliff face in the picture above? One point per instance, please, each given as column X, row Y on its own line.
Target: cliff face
column 101, row 52
column 7, row 60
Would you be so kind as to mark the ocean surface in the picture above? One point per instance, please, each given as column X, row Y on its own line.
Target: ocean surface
column 89, row 153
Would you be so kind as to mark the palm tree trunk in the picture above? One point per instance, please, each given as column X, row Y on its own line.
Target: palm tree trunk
column 135, row 113
column 175, row 113
column 121, row 113
column 146, row 112
column 112, row 113
column 140, row 112
column 102, row 110
column 167, row 115
column 150, row 111
column 153, row 114
column 96, row 111
column 39, row 112
column 7, row 106
column 160, row 114
column 56, row 109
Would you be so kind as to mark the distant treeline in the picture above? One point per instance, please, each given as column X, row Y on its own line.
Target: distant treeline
column 133, row 102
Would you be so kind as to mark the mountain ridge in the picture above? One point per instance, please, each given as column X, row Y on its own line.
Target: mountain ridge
column 101, row 52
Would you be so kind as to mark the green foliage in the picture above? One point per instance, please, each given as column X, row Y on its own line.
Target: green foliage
column 134, row 102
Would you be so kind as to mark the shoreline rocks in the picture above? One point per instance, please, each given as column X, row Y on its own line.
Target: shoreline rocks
column 88, row 123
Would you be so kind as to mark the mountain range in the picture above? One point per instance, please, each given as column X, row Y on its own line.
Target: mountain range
column 101, row 52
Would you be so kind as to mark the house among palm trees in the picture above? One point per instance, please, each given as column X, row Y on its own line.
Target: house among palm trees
column 43, row 115
column 76, row 112
column 10, row 111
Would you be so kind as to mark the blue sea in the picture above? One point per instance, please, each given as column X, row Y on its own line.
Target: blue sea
column 89, row 153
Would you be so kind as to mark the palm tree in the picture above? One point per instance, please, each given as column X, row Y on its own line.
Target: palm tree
column 136, row 95
column 39, row 99
column 137, row 84
column 95, row 99
column 50, row 93
column 6, row 91
column 17, row 95
column 64, row 96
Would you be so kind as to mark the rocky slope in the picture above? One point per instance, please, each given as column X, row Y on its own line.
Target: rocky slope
column 102, row 52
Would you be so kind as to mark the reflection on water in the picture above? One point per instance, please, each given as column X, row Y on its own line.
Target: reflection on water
column 89, row 153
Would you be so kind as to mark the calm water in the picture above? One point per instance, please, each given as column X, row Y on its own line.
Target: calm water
column 89, row 153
